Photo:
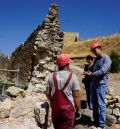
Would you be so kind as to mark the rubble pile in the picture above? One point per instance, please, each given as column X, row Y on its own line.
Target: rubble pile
column 25, row 112
column 37, row 54
column 113, row 109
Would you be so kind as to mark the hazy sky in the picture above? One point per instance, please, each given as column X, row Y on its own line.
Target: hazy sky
column 91, row 18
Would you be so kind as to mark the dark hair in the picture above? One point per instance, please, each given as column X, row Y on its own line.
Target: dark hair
column 63, row 67
column 89, row 57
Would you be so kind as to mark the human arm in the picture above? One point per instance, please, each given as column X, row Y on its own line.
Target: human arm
column 104, row 68
column 48, row 88
column 76, row 98
column 76, row 92
column 48, row 92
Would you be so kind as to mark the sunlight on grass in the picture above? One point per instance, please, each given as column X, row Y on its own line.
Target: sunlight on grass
column 82, row 48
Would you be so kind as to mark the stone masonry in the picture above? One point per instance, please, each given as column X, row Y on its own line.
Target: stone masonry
column 36, row 55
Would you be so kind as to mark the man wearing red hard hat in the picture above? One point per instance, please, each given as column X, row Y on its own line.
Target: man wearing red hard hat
column 99, row 74
column 63, row 93
column 95, row 45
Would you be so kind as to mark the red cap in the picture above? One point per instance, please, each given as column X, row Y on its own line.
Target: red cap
column 95, row 45
column 63, row 59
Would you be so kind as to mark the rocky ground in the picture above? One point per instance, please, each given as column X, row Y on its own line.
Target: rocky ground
column 18, row 113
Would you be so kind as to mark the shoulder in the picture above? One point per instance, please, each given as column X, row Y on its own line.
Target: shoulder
column 74, row 77
column 75, row 82
column 106, row 57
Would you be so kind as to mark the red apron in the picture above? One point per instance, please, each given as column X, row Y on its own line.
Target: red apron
column 63, row 112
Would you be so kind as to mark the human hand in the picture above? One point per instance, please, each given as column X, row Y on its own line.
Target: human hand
column 77, row 114
column 87, row 73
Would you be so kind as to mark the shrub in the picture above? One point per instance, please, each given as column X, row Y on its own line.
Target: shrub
column 5, row 86
column 115, row 67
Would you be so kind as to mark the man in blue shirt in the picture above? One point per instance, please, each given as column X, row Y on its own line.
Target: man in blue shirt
column 99, row 74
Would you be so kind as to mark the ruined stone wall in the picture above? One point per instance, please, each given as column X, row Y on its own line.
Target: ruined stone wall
column 36, row 55
column 71, row 37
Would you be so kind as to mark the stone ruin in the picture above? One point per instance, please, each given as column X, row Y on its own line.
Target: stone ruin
column 36, row 55
column 113, row 109
column 24, row 109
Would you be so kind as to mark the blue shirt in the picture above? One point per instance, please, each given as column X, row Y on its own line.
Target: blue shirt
column 101, row 68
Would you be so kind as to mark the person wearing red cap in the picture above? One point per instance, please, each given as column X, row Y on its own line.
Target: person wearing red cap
column 99, row 74
column 63, row 93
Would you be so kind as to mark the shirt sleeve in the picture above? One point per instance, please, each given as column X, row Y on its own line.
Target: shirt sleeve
column 104, row 69
column 76, row 85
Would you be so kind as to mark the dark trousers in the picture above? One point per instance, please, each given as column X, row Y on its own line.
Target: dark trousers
column 88, row 94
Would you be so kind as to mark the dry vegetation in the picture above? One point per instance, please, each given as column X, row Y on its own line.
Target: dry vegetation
column 82, row 47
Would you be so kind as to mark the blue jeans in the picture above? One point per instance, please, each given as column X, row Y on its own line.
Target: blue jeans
column 99, row 105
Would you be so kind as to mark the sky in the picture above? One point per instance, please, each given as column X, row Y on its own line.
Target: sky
column 91, row 18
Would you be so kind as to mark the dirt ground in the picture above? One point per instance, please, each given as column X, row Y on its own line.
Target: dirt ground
column 86, row 117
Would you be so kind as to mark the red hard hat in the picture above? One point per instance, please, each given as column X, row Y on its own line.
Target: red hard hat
column 63, row 59
column 95, row 45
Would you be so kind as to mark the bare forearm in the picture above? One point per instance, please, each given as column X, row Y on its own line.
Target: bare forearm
column 47, row 93
column 77, row 103
column 76, row 97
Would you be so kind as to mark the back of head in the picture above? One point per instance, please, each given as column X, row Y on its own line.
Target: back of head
column 63, row 60
column 89, row 57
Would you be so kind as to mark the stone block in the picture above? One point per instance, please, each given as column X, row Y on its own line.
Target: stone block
column 108, row 97
column 109, row 111
column 117, row 105
column 116, row 112
column 110, row 120
column 111, row 102
column 14, row 91
column 118, row 121
column 5, row 108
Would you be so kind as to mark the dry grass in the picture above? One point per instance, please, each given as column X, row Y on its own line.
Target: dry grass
column 82, row 48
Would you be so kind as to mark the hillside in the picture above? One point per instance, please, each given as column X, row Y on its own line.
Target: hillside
column 81, row 48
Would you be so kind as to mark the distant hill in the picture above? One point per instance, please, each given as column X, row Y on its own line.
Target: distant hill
column 81, row 48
